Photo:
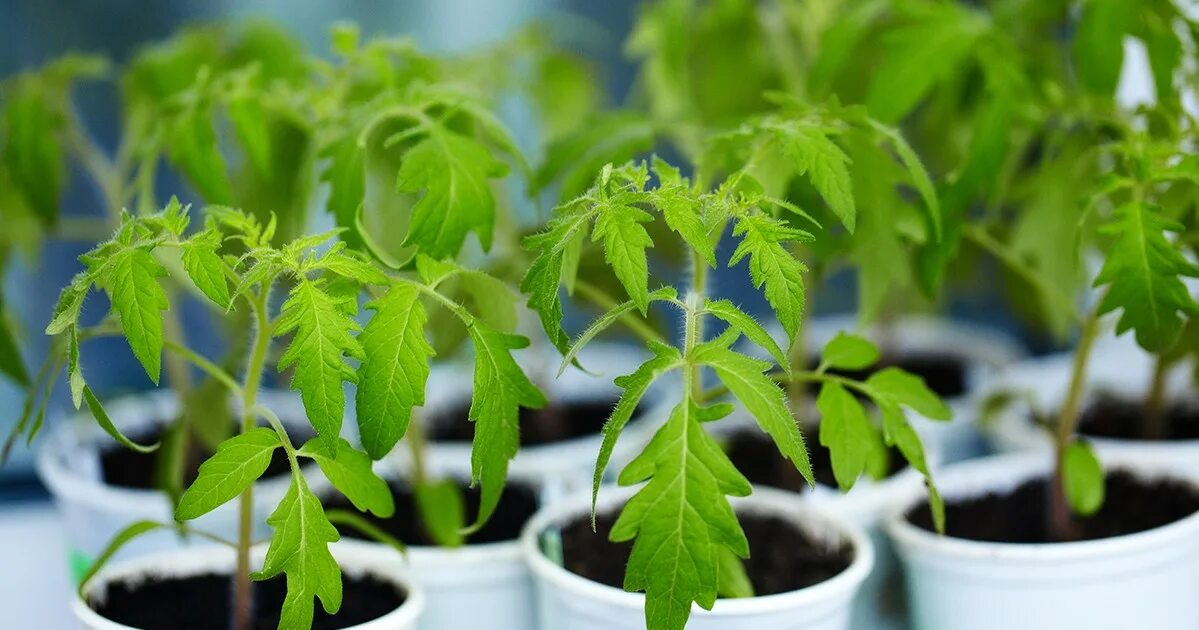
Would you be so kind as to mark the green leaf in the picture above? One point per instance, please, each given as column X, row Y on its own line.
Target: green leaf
column 681, row 210
column 1082, row 479
column 346, row 174
column 453, row 172
column 906, row 389
column 664, row 359
column 354, row 520
column 253, row 131
column 625, row 243
column 131, row 280
column 845, row 431
column 494, row 301
column 602, row 323
column 74, row 372
column 394, row 370
column 1143, row 270
column 899, row 433
column 299, row 547
column 11, row 362
column 825, row 164
column 732, row 582
column 205, row 267
column 850, row 352
column 324, row 335
column 546, row 272
column 770, row 264
column 33, row 151
column 763, row 398
column 500, row 390
column 114, row 545
column 192, row 148
column 349, row 470
column 111, row 429
column 610, row 138
column 70, row 302
column 680, row 519
column 443, row 511
column 237, row 463
column 920, row 179
column 748, row 326
column 1099, row 43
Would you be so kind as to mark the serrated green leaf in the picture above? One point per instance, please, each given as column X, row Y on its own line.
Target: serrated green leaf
column 845, row 431
column 1083, row 481
column 625, row 243
column 825, row 164
column 546, row 272
column 763, row 398
column 299, row 548
column 205, row 267
column 346, row 174
column 748, row 326
column 919, row 176
column 500, row 390
column 131, row 279
column 494, row 301
column 443, row 511
column 733, row 581
column 394, row 370
column 680, row 519
column 192, row 148
column 771, row 265
column 682, row 212
column 453, row 172
column 351, row 266
column 237, row 463
column 324, row 336
column 349, row 470
column 101, row 416
column 1143, row 270
column 634, row 386
column 909, row 390
column 850, row 352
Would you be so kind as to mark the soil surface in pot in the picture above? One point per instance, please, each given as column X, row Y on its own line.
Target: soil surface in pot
column 517, row 505
column 756, row 456
column 782, row 556
column 1112, row 416
column 944, row 373
column 565, row 420
column 1132, row 505
column 202, row 602
column 130, row 469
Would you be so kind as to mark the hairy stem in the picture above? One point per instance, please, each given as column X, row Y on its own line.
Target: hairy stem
column 242, row 604
column 1154, row 426
column 1061, row 526
column 605, row 302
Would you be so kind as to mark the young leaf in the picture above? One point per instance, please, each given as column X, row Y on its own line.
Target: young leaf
column 681, row 211
column 748, row 326
column 111, row 429
column 453, row 172
column 680, row 519
column 74, row 371
column 635, row 385
column 349, row 470
column 845, row 430
column 323, row 337
column 500, row 390
column 205, row 267
column 902, row 388
column 299, row 547
column 1082, row 479
column 762, row 397
column 1143, row 270
column 825, row 164
column 850, row 352
column 131, row 280
column 395, row 367
column 70, row 303
column 771, row 265
column 898, row 432
column 238, row 462
column 625, row 242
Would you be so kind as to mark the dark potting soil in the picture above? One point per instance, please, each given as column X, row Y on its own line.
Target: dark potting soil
column 130, row 469
column 1131, row 505
column 1112, row 416
column 558, row 422
column 517, row 505
column 203, row 602
column 944, row 373
column 756, row 456
column 782, row 557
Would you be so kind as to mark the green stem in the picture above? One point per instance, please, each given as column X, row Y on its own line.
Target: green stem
column 606, row 302
column 695, row 324
column 242, row 603
column 1154, row 427
column 208, row 367
column 983, row 240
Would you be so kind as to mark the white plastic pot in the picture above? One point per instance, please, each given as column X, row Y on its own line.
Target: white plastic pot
column 207, row 559
column 93, row 511
column 1143, row 580
column 473, row 586
column 1116, row 366
column 570, row 602
column 565, row 466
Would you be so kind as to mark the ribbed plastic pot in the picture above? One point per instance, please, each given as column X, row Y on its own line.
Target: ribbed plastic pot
column 570, row 602
column 1143, row 580
column 68, row 463
column 208, row 559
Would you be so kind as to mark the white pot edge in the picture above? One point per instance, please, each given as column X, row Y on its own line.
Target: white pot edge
column 843, row 584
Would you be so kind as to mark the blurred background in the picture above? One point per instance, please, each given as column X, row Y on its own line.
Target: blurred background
column 32, row 32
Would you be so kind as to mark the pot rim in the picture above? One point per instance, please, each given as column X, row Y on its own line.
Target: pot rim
column 202, row 558
column 762, row 499
column 1008, row 470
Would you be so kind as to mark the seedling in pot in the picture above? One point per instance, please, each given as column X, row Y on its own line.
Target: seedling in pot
column 684, row 505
